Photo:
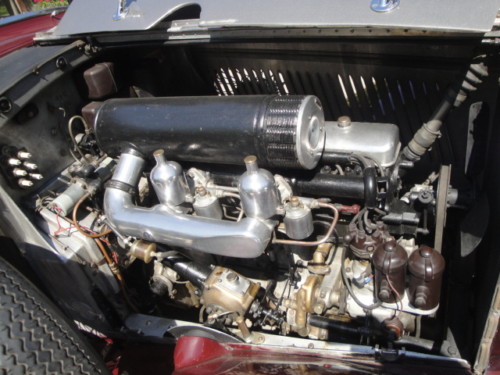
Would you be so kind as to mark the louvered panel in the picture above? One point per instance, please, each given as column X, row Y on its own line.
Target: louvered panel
column 405, row 103
column 362, row 84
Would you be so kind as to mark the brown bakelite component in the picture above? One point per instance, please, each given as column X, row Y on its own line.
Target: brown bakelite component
column 363, row 244
column 426, row 267
column 389, row 261
column 89, row 112
column 100, row 80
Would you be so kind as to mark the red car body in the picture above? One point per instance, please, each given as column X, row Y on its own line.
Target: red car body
column 18, row 31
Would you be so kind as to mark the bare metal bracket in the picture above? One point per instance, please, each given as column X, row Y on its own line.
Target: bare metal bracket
column 442, row 204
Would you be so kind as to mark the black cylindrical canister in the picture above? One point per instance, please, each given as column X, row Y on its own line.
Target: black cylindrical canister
column 426, row 267
column 389, row 260
column 282, row 131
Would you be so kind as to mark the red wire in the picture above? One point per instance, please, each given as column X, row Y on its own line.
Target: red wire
column 59, row 226
column 58, row 212
column 56, row 233
column 61, row 229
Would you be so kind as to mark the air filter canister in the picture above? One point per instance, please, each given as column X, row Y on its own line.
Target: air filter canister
column 282, row 131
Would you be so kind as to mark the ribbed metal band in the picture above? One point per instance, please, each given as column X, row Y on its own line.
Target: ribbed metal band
column 280, row 128
column 114, row 184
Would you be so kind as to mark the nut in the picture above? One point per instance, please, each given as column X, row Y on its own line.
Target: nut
column 344, row 121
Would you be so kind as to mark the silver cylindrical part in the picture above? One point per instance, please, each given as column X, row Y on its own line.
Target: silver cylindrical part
column 129, row 169
column 298, row 220
column 207, row 205
column 68, row 198
column 247, row 238
column 258, row 191
column 168, row 180
column 290, row 129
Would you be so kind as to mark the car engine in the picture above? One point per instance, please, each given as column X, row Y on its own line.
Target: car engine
column 255, row 212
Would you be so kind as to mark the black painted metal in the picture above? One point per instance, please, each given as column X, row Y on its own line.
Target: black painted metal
column 204, row 128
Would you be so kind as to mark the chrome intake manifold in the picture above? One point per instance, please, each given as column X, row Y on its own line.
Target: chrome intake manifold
column 162, row 223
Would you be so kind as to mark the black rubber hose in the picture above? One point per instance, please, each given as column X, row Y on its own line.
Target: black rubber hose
column 370, row 182
column 330, row 324
column 188, row 269
column 328, row 185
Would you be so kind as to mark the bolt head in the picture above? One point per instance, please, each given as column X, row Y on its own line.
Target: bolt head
column 201, row 191
column 319, row 307
column 452, row 350
column 259, row 340
column 61, row 63
column 326, row 169
column 344, row 121
column 294, row 201
column 5, row 105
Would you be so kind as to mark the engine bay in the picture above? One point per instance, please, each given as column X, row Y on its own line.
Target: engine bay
column 247, row 215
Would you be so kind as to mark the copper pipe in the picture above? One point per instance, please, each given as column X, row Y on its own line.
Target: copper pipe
column 116, row 271
column 79, row 228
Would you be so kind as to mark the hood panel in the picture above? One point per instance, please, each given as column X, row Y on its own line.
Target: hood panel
column 95, row 16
